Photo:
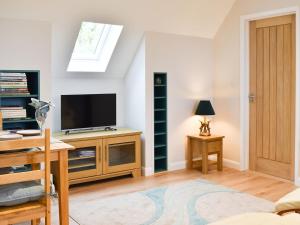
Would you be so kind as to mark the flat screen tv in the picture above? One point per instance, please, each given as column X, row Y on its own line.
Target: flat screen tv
column 88, row 111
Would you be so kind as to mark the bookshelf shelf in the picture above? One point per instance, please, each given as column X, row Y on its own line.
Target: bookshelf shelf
column 160, row 146
column 20, row 100
column 19, row 96
column 22, row 120
column 160, row 157
column 160, row 122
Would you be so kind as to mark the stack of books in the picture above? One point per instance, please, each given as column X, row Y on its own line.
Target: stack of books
column 13, row 112
column 13, row 84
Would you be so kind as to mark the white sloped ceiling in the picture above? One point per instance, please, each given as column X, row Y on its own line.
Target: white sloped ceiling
column 187, row 17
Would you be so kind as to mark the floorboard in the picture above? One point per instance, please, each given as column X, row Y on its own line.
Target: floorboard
column 260, row 185
column 257, row 184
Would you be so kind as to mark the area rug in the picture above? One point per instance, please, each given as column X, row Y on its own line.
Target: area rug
column 192, row 203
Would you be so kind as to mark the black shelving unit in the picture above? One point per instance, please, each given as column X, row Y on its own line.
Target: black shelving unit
column 160, row 123
column 33, row 82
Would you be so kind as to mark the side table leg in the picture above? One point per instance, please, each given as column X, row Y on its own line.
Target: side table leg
column 204, row 158
column 220, row 159
column 189, row 152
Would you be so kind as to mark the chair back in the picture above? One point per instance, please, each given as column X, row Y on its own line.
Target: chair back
column 33, row 175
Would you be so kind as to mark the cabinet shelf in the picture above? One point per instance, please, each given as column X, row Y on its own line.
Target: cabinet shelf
column 160, row 97
column 82, row 166
column 81, row 157
column 159, row 110
column 160, row 133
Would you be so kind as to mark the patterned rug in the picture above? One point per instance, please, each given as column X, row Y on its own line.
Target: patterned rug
column 193, row 203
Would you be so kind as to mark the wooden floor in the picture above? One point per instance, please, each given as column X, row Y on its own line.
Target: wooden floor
column 260, row 185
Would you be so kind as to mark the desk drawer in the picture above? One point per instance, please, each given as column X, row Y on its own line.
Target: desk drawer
column 214, row 146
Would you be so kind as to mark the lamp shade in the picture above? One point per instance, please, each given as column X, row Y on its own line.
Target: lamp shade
column 205, row 109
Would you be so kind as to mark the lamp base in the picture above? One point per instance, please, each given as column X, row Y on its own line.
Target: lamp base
column 204, row 128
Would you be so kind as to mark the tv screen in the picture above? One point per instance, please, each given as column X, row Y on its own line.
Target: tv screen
column 88, row 111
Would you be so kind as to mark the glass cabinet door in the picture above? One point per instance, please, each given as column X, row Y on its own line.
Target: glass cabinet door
column 83, row 161
column 121, row 154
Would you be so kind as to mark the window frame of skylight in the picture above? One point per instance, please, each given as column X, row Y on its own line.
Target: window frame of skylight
column 99, row 61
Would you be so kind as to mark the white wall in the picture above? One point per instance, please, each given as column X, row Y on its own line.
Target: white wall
column 134, row 97
column 64, row 82
column 65, row 16
column 86, row 84
column 26, row 45
column 189, row 63
column 227, row 77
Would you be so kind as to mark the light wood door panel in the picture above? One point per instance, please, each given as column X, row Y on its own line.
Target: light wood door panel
column 272, row 83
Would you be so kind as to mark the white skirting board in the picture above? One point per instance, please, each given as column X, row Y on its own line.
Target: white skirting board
column 148, row 171
column 227, row 162
column 297, row 182
column 182, row 165
column 177, row 166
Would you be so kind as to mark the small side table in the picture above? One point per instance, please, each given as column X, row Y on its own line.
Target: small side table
column 205, row 146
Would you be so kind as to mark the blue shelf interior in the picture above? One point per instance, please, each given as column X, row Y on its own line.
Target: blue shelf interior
column 160, row 122
column 33, row 82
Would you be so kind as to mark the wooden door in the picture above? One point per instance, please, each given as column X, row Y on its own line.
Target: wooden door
column 121, row 154
column 272, row 96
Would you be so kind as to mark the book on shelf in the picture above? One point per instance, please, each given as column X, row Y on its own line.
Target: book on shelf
column 11, row 108
column 13, row 112
column 13, row 83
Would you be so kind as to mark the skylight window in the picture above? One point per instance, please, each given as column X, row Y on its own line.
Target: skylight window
column 94, row 47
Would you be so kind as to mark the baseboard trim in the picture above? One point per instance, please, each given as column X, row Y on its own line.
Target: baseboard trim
column 177, row 166
column 228, row 163
column 297, row 181
column 147, row 171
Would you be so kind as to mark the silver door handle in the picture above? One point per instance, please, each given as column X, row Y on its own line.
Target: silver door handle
column 251, row 98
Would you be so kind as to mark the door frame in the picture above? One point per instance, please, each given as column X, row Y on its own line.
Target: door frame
column 245, row 82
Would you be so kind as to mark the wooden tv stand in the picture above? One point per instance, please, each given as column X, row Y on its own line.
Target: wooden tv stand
column 102, row 154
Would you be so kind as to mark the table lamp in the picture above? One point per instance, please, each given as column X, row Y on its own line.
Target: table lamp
column 205, row 109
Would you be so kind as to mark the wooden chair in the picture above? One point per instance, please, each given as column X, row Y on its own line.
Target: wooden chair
column 31, row 211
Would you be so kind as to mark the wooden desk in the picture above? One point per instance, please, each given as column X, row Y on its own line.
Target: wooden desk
column 205, row 146
column 59, row 155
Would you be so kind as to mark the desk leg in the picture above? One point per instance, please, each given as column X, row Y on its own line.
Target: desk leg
column 189, row 153
column 63, row 188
